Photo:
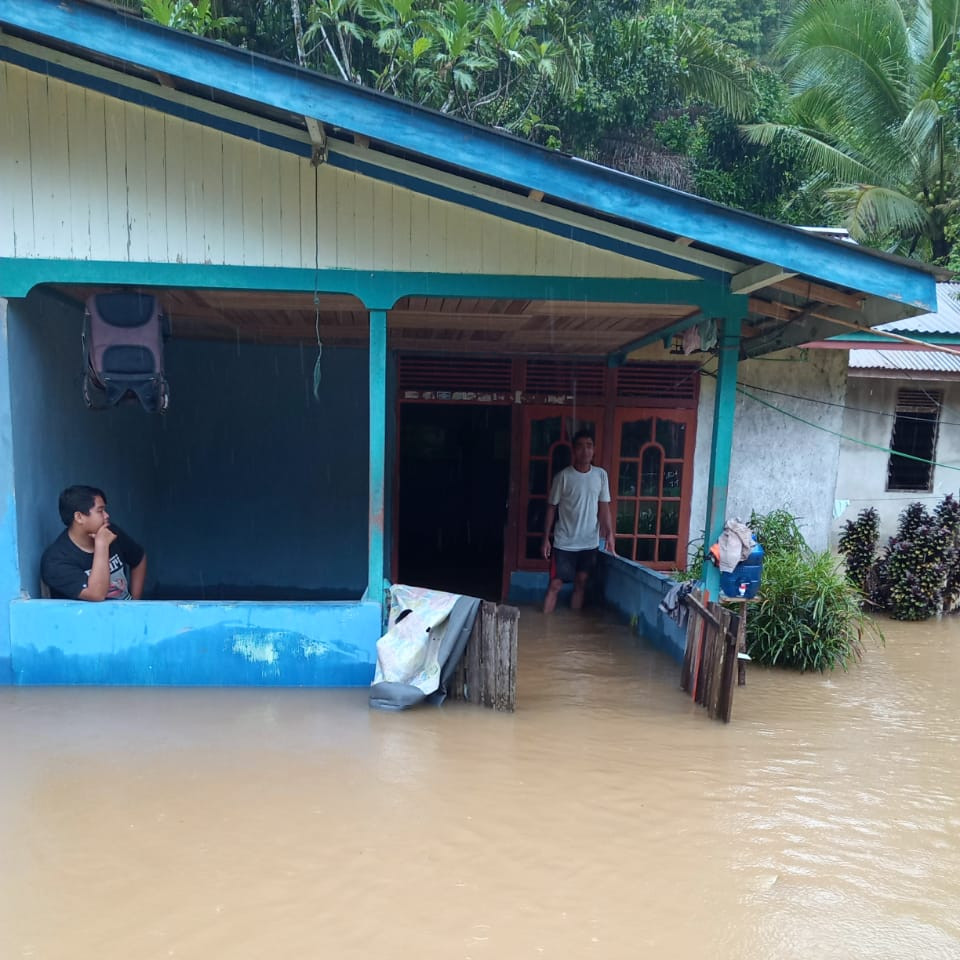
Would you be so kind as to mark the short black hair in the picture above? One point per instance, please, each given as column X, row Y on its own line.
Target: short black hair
column 581, row 435
column 79, row 497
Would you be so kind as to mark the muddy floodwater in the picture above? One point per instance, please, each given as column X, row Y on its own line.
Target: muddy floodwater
column 607, row 818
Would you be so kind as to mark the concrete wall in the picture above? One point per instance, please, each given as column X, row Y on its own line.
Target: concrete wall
column 194, row 644
column 862, row 475
column 779, row 462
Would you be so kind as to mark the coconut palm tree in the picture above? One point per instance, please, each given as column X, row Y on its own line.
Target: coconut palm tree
column 867, row 108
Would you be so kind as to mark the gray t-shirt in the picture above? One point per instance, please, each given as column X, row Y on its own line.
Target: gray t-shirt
column 576, row 495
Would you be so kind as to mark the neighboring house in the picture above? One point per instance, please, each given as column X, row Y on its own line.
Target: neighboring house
column 478, row 299
column 900, row 398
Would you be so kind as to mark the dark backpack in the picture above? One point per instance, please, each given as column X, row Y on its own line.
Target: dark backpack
column 123, row 334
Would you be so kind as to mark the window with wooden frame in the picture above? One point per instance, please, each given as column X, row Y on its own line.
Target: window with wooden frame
column 652, row 481
column 914, row 440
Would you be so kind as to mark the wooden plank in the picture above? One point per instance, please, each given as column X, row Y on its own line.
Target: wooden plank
column 252, row 183
column 232, row 178
column 363, row 222
column 720, row 660
column 474, row 675
column 435, row 242
column 78, row 173
column 136, row 177
column 325, row 212
column 727, row 685
column 42, row 170
column 513, row 654
column 289, row 173
column 490, row 245
column 118, row 229
column 506, row 646
column 686, row 668
column 382, row 250
column 270, row 207
column 20, row 145
column 155, row 184
column 420, row 258
column 96, row 159
column 212, row 225
column 695, row 600
column 17, row 230
column 488, row 659
column 58, row 210
column 742, row 647
column 400, row 229
column 810, row 291
column 175, row 189
column 459, row 680
column 346, row 215
column 8, row 227
column 203, row 198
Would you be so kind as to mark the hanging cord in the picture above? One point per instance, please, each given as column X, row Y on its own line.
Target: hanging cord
column 316, row 273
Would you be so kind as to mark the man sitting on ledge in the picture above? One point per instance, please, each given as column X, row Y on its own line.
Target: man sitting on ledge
column 92, row 560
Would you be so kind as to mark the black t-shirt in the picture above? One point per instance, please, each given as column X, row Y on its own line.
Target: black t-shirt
column 65, row 568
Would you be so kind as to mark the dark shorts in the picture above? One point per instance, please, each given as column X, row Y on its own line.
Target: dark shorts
column 566, row 564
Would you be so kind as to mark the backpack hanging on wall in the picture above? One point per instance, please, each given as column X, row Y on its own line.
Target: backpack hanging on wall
column 123, row 334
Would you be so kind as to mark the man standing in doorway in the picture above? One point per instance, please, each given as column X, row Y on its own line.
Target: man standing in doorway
column 91, row 559
column 579, row 501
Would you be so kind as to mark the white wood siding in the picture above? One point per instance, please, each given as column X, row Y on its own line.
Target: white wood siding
column 84, row 176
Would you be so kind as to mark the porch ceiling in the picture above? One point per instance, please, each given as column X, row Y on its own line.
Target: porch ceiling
column 428, row 324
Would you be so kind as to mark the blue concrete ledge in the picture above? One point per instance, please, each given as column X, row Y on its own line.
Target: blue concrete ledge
column 635, row 592
column 330, row 644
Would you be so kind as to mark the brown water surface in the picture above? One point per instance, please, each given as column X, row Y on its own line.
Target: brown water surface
column 606, row 818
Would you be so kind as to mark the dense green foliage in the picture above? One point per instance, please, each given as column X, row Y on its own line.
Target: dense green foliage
column 809, row 615
column 826, row 112
column 917, row 575
column 858, row 546
column 870, row 111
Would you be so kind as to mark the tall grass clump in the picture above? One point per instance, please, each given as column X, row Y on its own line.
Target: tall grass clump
column 809, row 616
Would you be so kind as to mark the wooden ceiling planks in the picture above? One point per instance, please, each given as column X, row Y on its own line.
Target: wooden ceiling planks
column 416, row 323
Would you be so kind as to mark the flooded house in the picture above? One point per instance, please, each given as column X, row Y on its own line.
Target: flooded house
column 385, row 326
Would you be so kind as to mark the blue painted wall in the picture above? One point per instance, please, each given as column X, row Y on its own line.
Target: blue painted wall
column 194, row 644
column 57, row 441
column 635, row 593
column 248, row 487
column 262, row 488
column 9, row 565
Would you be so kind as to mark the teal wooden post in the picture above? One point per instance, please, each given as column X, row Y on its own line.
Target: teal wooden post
column 721, row 443
column 9, row 558
column 378, row 448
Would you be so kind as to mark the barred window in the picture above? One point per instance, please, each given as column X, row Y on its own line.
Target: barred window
column 915, row 435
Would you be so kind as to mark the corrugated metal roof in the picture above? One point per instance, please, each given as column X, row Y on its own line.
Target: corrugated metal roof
column 945, row 320
column 915, row 360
